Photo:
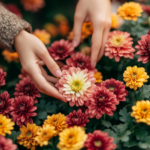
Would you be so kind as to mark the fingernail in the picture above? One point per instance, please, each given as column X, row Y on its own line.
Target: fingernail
column 94, row 65
column 74, row 43
column 58, row 73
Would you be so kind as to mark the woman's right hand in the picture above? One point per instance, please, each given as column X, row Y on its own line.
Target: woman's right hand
column 31, row 51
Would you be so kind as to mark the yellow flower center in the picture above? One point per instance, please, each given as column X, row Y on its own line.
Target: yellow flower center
column 117, row 41
column 1, row 124
column 55, row 121
column 144, row 110
column 134, row 74
column 76, row 85
column 45, row 134
column 29, row 134
column 97, row 143
column 111, row 88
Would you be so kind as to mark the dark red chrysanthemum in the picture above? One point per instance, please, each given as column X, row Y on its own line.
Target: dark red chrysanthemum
column 117, row 87
column 79, row 60
column 23, row 74
column 23, row 109
column 146, row 8
column 5, row 103
column 2, row 77
column 14, row 9
column 6, row 144
column 99, row 141
column 27, row 88
column 59, row 50
column 77, row 118
column 143, row 49
column 103, row 101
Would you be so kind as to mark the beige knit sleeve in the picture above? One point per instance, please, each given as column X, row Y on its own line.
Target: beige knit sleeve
column 10, row 26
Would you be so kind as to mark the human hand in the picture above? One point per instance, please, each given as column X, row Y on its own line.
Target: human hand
column 99, row 13
column 31, row 52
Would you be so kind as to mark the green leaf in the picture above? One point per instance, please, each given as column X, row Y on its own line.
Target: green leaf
column 41, row 105
column 13, row 136
column 141, row 134
column 51, row 108
column 43, row 115
column 106, row 123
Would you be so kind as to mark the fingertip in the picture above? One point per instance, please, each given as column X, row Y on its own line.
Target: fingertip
column 58, row 73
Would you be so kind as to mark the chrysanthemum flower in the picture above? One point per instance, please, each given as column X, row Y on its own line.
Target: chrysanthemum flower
column 5, row 125
column 72, row 138
column 130, row 11
column 58, row 121
column 98, row 76
column 61, row 49
column 76, row 85
column 143, row 49
column 45, row 134
column 23, row 74
column 115, row 21
column 27, row 88
column 77, row 119
column 86, row 50
column 9, row 57
column 117, row 87
column 43, row 35
column 79, row 60
column 32, row 5
column 103, row 101
column 135, row 77
column 7, row 144
column 14, row 9
column 87, row 28
column 64, row 28
column 51, row 28
column 2, row 77
column 22, row 110
column 141, row 111
column 146, row 8
column 28, row 135
column 119, row 44
column 99, row 141
column 5, row 103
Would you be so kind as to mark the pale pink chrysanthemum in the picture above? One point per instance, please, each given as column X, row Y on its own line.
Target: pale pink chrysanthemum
column 76, row 85
column 119, row 44
column 59, row 50
column 79, row 60
column 32, row 5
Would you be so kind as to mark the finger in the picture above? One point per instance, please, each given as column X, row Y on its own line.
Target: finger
column 105, row 36
column 47, row 77
column 98, row 27
column 78, row 23
column 49, row 62
column 41, row 63
column 41, row 83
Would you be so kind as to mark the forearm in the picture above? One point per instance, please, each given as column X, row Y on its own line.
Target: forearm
column 10, row 26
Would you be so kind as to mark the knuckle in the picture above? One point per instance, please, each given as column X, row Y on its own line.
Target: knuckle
column 109, row 23
column 77, row 17
column 43, row 52
column 100, row 21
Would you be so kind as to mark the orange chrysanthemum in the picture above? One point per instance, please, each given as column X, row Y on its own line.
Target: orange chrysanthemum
column 98, row 76
column 32, row 5
column 51, row 28
column 130, row 11
column 64, row 28
column 87, row 28
column 58, row 121
column 43, row 36
column 9, row 57
column 141, row 111
column 115, row 21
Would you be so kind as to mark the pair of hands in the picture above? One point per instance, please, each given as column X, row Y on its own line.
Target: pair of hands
column 32, row 52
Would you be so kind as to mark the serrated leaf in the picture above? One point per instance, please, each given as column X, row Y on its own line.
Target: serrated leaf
column 106, row 123
column 141, row 134
column 144, row 92
column 13, row 136
column 130, row 143
column 43, row 115
column 125, row 137
column 51, row 108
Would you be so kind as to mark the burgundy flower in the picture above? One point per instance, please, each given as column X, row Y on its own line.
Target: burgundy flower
column 99, row 141
column 143, row 49
column 77, row 118
column 103, row 101
column 117, row 87
column 5, row 103
column 59, row 50
column 79, row 60
column 2, row 77
column 22, row 110
column 27, row 88
column 23, row 74
column 14, row 9
column 6, row 144
column 146, row 8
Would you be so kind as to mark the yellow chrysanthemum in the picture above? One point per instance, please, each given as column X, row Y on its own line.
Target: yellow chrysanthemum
column 42, row 35
column 141, row 111
column 28, row 135
column 58, row 121
column 72, row 138
column 98, row 76
column 86, row 50
column 9, row 57
column 45, row 134
column 115, row 21
column 135, row 77
column 130, row 11
column 5, row 125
